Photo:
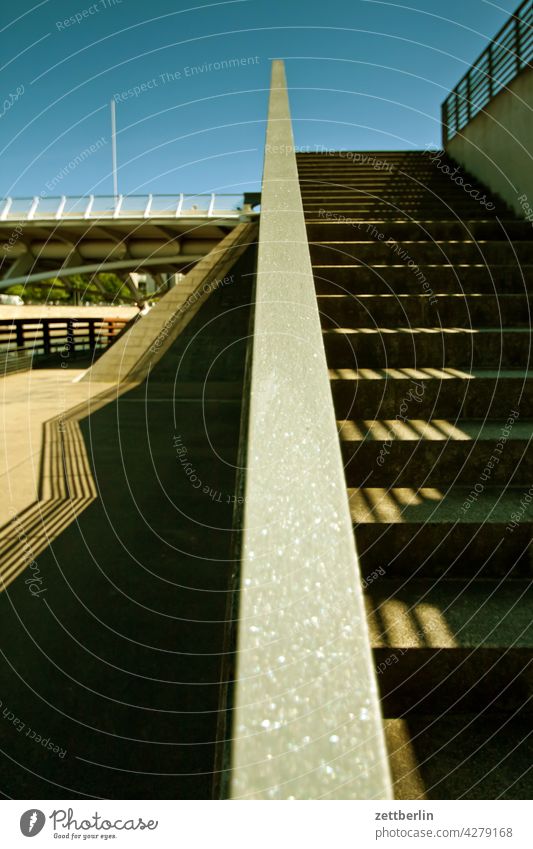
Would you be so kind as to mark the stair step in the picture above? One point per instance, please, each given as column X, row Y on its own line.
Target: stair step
column 442, row 278
column 429, row 532
column 430, row 192
column 392, row 177
column 452, row 645
column 425, row 188
column 427, row 392
column 457, row 680
column 437, row 452
column 349, row 201
column 425, row 309
column 483, row 347
column 480, row 755
column 421, row 253
column 444, row 205
column 395, row 212
column 392, row 173
column 411, row 156
column 437, row 507
column 337, row 229
column 358, row 196
column 450, row 614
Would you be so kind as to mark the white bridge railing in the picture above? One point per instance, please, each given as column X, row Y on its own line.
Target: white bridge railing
column 123, row 206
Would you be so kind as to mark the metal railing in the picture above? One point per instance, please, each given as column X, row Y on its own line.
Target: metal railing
column 126, row 206
column 508, row 54
column 23, row 339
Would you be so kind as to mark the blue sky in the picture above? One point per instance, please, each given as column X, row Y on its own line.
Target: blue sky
column 362, row 74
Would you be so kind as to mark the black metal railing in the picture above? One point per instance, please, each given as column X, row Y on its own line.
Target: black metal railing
column 23, row 340
column 509, row 52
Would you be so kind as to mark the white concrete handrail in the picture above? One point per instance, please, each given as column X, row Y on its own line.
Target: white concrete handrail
column 306, row 717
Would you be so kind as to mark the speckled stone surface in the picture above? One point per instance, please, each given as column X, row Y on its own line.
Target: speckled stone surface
column 307, row 723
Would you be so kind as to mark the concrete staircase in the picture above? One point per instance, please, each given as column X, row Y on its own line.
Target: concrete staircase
column 424, row 295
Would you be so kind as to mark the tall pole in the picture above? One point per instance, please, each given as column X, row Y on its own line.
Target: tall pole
column 114, row 148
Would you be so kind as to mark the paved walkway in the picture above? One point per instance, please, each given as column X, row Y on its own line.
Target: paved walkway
column 28, row 400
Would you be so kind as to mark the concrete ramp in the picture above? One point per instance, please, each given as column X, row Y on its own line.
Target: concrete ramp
column 135, row 353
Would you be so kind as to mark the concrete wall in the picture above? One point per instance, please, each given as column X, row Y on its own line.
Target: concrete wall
column 497, row 145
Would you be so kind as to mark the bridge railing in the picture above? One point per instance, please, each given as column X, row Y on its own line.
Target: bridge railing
column 126, row 206
column 508, row 54
column 23, row 339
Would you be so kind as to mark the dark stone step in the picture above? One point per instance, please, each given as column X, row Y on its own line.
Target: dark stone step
column 421, row 253
column 481, row 755
column 334, row 227
column 449, row 614
column 443, row 279
column 369, row 211
column 432, row 532
column 437, row 453
column 431, row 393
column 444, row 205
column 455, row 680
column 418, row 346
column 425, row 310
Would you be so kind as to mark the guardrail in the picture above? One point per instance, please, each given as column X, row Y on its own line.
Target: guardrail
column 127, row 206
column 508, row 54
column 306, row 721
column 23, row 339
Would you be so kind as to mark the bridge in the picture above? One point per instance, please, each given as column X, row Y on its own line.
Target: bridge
column 47, row 237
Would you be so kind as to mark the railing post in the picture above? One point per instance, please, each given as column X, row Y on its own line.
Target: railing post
column 306, row 717
column 71, row 342
column 455, row 111
column 61, row 207
column 118, row 206
column 7, row 206
column 92, row 334
column 46, row 336
column 89, row 207
column 518, row 62
column 444, row 123
column 33, row 207
column 19, row 331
